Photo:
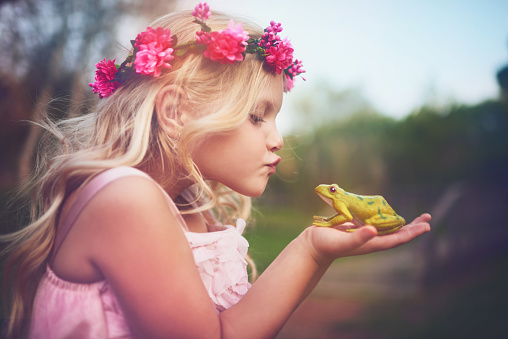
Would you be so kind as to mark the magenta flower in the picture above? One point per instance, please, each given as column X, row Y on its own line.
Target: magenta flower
column 202, row 11
column 274, row 27
column 280, row 56
column 104, row 75
column 150, row 61
column 288, row 83
column 296, row 69
column 268, row 39
column 203, row 38
column 155, row 51
column 160, row 36
column 225, row 46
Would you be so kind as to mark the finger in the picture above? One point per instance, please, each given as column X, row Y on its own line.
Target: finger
column 347, row 224
column 406, row 234
column 425, row 217
column 362, row 235
column 344, row 243
column 416, row 228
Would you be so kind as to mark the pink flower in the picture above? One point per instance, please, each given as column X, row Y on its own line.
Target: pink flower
column 280, row 56
column 268, row 39
column 288, row 83
column 203, row 38
column 155, row 51
column 202, row 11
column 105, row 73
column 274, row 27
column 160, row 36
column 225, row 46
column 296, row 68
column 151, row 62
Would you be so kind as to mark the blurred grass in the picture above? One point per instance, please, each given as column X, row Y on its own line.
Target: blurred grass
column 272, row 230
column 472, row 306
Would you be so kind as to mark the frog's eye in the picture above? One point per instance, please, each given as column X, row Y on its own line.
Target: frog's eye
column 333, row 189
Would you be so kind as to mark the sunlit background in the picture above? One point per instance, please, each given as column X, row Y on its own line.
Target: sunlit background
column 408, row 99
column 397, row 54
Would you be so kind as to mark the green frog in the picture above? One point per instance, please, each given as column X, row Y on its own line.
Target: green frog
column 366, row 209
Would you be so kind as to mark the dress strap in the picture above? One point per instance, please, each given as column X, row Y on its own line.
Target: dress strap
column 91, row 189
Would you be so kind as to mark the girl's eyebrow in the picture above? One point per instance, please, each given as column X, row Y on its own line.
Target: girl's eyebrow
column 265, row 103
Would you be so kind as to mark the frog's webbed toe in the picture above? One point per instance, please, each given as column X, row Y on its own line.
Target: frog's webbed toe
column 325, row 219
column 322, row 223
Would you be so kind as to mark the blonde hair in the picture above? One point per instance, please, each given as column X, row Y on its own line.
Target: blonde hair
column 123, row 131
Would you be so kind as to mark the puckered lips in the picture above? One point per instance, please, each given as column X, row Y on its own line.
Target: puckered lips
column 272, row 166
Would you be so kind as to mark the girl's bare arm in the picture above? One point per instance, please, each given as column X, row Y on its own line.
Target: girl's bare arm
column 297, row 270
column 137, row 244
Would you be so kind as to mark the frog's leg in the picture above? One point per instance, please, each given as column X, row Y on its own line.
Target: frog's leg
column 343, row 215
column 331, row 221
column 389, row 231
column 386, row 223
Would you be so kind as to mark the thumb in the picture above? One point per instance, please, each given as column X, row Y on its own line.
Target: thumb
column 362, row 235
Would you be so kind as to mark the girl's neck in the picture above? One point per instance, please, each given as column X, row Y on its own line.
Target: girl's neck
column 173, row 183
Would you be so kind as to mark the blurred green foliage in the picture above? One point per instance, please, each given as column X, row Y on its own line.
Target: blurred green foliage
column 452, row 162
column 473, row 306
column 369, row 153
column 271, row 230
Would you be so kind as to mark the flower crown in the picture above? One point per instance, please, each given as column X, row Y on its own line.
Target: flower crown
column 153, row 49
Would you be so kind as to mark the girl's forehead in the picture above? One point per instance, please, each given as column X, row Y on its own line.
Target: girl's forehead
column 272, row 93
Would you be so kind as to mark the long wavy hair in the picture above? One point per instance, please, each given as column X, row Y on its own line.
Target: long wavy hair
column 122, row 130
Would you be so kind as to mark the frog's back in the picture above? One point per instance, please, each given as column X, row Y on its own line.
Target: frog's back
column 364, row 206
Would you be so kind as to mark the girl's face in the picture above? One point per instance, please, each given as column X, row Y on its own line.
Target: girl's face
column 244, row 158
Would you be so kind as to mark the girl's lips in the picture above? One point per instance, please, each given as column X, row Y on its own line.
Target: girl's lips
column 273, row 166
column 275, row 163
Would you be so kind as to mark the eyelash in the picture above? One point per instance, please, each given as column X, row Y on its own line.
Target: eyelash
column 255, row 119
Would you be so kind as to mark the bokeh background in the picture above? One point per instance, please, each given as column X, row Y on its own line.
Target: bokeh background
column 408, row 99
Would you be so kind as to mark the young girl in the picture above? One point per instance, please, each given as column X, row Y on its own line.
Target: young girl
column 187, row 120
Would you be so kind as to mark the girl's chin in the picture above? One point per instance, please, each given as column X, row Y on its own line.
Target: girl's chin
column 250, row 188
column 252, row 192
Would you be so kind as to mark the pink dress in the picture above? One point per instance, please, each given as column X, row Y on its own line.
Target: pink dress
column 64, row 309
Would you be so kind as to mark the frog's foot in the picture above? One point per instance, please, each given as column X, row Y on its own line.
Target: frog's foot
column 379, row 231
column 345, row 227
column 317, row 217
column 332, row 221
column 349, row 229
column 322, row 221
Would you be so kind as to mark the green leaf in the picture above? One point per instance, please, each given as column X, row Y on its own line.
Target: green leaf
column 182, row 51
column 204, row 26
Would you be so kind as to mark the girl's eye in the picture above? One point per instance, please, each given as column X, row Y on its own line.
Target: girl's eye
column 255, row 118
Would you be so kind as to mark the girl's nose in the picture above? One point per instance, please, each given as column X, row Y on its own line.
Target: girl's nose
column 275, row 141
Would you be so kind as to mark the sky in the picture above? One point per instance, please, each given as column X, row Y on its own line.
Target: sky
column 398, row 53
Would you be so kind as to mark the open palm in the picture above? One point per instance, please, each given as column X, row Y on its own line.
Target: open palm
column 330, row 243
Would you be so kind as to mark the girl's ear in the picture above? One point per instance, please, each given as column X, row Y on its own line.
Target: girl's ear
column 170, row 109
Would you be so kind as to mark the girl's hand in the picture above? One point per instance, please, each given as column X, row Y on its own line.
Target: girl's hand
column 327, row 244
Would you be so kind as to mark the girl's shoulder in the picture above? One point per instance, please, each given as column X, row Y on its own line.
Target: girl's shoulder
column 115, row 207
column 128, row 236
column 116, row 189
